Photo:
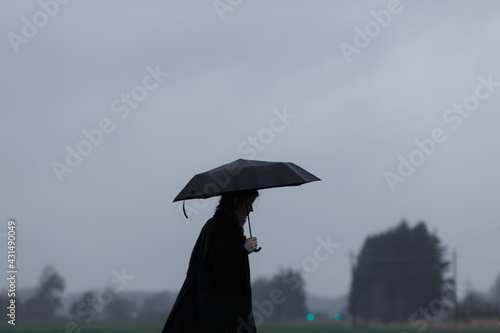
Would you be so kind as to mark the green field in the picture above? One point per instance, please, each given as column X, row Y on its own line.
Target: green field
column 156, row 328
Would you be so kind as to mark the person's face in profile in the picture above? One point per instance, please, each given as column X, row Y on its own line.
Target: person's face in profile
column 243, row 207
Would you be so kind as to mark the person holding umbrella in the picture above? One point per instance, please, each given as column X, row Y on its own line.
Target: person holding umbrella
column 216, row 296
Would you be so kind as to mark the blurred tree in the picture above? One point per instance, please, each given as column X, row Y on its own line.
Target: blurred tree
column 157, row 307
column 291, row 283
column 281, row 298
column 397, row 273
column 86, row 307
column 261, row 288
column 46, row 300
column 476, row 305
column 4, row 300
column 495, row 296
column 121, row 309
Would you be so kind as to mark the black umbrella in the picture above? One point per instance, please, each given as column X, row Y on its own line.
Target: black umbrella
column 244, row 175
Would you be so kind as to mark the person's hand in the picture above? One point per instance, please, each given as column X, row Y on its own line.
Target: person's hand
column 251, row 244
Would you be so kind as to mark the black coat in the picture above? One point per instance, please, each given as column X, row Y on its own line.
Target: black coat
column 216, row 296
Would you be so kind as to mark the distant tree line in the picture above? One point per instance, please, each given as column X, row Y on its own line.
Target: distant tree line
column 399, row 275
column 477, row 305
column 279, row 298
column 45, row 302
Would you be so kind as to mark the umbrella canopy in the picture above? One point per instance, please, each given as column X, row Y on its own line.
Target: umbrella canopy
column 244, row 175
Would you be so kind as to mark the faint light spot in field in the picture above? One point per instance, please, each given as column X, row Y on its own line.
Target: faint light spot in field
column 310, row 317
column 338, row 316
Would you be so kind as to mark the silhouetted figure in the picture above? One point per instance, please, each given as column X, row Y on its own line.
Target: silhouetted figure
column 216, row 295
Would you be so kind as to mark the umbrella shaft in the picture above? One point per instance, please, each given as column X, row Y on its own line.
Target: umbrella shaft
column 248, row 217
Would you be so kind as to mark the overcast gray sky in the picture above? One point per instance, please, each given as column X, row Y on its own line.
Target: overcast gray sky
column 351, row 91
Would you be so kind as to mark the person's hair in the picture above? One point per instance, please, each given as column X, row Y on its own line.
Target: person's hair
column 227, row 198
